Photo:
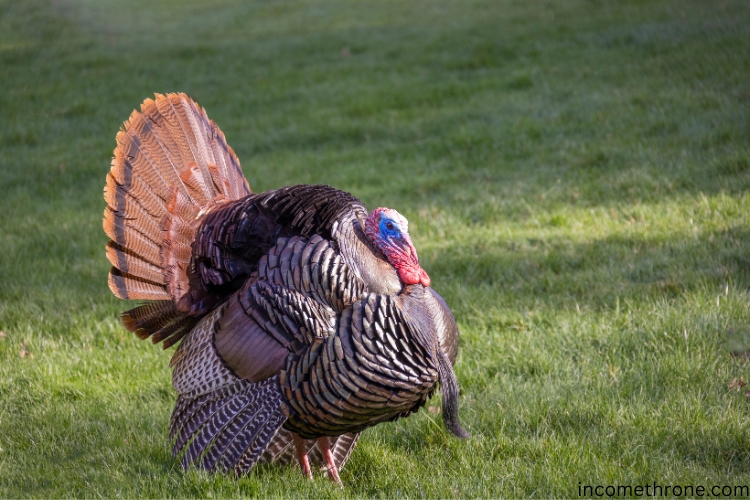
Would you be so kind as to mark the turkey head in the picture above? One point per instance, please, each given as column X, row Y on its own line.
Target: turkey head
column 389, row 231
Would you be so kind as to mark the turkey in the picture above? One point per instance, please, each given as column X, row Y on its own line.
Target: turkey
column 301, row 319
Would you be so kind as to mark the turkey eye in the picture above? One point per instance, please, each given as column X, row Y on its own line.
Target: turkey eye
column 389, row 225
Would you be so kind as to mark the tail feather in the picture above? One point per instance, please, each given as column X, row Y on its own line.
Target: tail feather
column 134, row 219
column 148, row 317
column 128, row 233
column 175, row 250
column 221, row 183
column 180, row 326
column 159, row 320
column 154, row 134
column 198, row 187
column 183, row 137
column 131, row 264
column 179, row 231
column 134, row 159
column 133, row 192
column 171, row 165
column 126, row 286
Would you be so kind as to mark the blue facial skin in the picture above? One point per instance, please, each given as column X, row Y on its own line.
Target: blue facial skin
column 390, row 234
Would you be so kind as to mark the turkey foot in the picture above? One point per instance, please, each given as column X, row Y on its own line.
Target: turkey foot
column 333, row 472
column 304, row 462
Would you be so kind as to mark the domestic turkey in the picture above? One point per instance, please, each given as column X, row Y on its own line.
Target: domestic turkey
column 303, row 319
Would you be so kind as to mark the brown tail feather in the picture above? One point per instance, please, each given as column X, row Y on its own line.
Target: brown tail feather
column 171, row 165
column 179, row 232
column 159, row 320
column 175, row 330
column 133, row 265
column 148, row 317
column 135, row 193
column 126, row 286
column 133, row 218
column 127, row 233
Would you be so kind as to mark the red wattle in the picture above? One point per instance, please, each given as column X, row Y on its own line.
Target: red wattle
column 424, row 278
column 412, row 276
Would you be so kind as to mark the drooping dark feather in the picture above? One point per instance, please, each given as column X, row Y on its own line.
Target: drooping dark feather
column 449, row 387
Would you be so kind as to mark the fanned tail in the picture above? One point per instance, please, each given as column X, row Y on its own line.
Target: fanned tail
column 228, row 429
column 171, row 166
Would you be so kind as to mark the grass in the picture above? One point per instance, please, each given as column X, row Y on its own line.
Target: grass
column 575, row 175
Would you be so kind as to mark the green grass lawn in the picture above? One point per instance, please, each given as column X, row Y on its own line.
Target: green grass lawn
column 575, row 174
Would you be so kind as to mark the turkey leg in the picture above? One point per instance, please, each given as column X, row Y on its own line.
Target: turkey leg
column 304, row 462
column 333, row 472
